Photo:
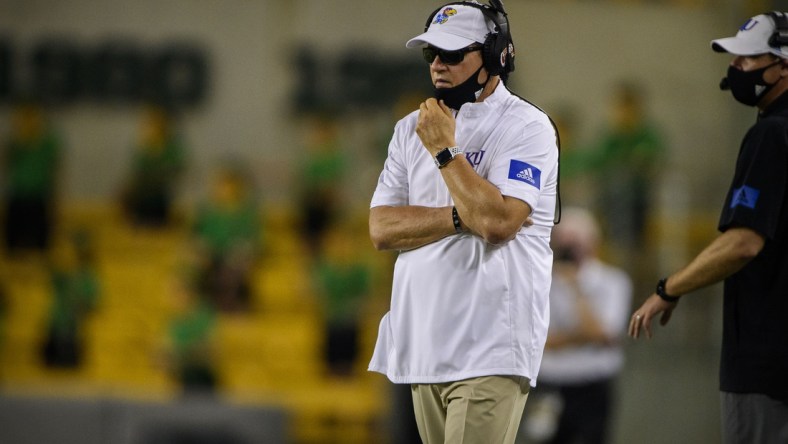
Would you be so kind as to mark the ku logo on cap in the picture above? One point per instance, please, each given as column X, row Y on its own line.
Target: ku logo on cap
column 525, row 172
column 444, row 15
column 749, row 24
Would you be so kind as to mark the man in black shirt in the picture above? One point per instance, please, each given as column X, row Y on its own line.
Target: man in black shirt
column 751, row 253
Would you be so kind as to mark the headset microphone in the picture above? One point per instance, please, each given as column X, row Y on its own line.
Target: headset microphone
column 725, row 84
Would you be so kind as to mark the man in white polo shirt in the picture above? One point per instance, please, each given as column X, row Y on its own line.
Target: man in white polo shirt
column 467, row 196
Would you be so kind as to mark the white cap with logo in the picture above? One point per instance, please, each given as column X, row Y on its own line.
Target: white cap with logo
column 454, row 27
column 752, row 39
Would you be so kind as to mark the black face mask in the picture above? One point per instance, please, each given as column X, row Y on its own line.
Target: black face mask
column 748, row 87
column 465, row 92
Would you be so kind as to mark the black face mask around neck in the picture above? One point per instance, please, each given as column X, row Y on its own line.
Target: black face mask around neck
column 748, row 87
column 465, row 92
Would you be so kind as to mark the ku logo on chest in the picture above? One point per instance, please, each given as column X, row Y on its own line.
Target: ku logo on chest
column 475, row 157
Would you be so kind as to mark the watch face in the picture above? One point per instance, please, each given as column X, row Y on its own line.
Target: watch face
column 443, row 157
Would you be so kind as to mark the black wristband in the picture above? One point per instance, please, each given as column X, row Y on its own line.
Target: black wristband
column 456, row 219
column 663, row 294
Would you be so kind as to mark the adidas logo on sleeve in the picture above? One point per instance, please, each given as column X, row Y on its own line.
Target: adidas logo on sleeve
column 525, row 172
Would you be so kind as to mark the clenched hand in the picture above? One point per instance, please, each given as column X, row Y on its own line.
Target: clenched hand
column 436, row 126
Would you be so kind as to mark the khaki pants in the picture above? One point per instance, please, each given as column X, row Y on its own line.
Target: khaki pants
column 485, row 410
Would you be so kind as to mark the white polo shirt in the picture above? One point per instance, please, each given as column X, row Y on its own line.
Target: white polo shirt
column 460, row 307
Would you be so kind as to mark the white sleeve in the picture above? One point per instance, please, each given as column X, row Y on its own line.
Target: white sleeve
column 392, row 188
column 528, row 154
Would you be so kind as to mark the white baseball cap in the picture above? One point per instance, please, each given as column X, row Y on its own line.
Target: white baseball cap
column 454, row 27
column 752, row 39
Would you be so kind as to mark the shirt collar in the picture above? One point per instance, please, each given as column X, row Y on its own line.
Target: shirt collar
column 474, row 109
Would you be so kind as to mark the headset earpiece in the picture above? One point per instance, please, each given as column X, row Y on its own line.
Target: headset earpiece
column 489, row 50
column 498, row 47
column 780, row 36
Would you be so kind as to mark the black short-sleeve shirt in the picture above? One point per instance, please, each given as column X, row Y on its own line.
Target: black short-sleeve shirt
column 755, row 326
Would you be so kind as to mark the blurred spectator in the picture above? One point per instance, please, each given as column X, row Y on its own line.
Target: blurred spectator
column 589, row 310
column 624, row 162
column 227, row 232
column 75, row 294
column 30, row 163
column 155, row 170
column 575, row 189
column 343, row 282
column 191, row 342
column 323, row 169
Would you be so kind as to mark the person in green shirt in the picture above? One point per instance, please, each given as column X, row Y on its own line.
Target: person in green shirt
column 320, row 179
column 75, row 294
column 227, row 233
column 624, row 163
column 342, row 283
column 30, row 161
column 155, row 170
column 191, row 344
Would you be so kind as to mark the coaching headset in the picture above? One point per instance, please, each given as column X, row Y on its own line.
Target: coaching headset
column 498, row 49
column 778, row 39
column 780, row 36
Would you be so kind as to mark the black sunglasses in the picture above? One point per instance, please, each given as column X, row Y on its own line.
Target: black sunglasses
column 448, row 57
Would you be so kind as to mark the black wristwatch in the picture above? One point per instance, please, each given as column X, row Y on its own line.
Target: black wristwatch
column 663, row 294
column 446, row 155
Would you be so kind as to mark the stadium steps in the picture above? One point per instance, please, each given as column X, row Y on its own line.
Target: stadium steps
column 273, row 354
